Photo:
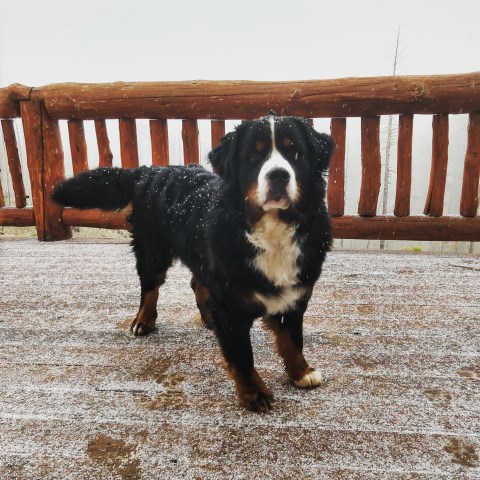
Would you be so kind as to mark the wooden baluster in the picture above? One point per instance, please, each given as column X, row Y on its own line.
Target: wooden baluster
column 218, row 131
column 53, row 173
column 336, row 175
column 438, row 169
column 404, row 166
column 190, row 142
column 32, row 127
column 159, row 139
column 78, row 146
column 8, row 130
column 471, row 170
column 128, row 143
column 104, row 153
column 371, row 166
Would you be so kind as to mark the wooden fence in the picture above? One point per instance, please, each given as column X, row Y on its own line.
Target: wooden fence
column 368, row 98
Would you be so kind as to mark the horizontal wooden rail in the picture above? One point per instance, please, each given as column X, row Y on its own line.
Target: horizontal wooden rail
column 348, row 227
column 17, row 217
column 346, row 97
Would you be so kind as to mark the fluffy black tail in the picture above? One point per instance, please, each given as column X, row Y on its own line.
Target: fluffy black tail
column 104, row 188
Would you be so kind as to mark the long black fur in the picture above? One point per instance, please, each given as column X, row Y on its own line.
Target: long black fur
column 201, row 218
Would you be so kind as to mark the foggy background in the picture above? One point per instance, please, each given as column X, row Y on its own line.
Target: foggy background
column 57, row 41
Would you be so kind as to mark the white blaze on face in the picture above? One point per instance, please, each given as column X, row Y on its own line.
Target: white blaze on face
column 276, row 161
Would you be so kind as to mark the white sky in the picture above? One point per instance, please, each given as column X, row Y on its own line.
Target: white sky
column 53, row 41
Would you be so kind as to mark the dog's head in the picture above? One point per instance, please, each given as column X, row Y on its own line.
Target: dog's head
column 274, row 162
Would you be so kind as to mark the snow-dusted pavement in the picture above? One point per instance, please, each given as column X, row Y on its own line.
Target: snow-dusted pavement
column 397, row 334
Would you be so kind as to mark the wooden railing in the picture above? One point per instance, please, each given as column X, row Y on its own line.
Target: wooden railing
column 368, row 98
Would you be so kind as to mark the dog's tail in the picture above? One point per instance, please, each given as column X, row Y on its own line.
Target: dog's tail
column 104, row 188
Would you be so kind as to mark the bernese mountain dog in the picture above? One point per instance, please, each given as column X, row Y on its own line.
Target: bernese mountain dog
column 254, row 235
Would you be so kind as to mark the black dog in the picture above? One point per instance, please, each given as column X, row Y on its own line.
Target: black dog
column 254, row 236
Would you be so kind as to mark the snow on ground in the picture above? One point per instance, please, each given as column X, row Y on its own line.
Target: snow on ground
column 397, row 334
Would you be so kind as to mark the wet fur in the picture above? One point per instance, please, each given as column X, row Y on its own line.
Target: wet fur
column 246, row 263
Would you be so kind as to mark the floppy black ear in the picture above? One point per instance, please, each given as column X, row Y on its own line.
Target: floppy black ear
column 321, row 147
column 222, row 156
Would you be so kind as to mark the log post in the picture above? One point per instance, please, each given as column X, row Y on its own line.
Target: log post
column 53, row 173
column 336, row 175
column 191, row 152
column 128, row 143
column 404, row 166
column 78, row 146
column 218, row 131
column 31, row 113
column 371, row 166
column 471, row 170
column 105, row 156
column 8, row 130
column 159, row 140
column 438, row 169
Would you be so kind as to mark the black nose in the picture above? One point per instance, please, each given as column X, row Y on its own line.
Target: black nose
column 278, row 175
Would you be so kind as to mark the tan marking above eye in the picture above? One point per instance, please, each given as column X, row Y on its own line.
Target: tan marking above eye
column 259, row 146
column 287, row 142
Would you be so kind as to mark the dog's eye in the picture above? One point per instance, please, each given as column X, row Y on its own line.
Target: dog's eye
column 287, row 143
column 259, row 146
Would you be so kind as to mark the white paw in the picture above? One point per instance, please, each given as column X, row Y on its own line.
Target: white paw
column 311, row 379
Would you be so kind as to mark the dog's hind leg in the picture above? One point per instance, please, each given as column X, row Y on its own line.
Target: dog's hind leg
column 202, row 294
column 152, row 266
column 144, row 322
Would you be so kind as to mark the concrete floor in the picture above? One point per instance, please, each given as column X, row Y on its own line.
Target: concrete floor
column 397, row 334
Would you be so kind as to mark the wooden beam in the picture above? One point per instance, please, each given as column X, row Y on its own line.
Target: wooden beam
column 191, row 153
column 53, row 173
column 78, row 146
column 346, row 97
column 10, row 98
column 404, row 166
column 336, row 173
column 159, row 139
column 420, row 228
column 14, row 165
column 128, row 143
column 104, row 153
column 471, row 170
column 95, row 218
column 438, row 169
column 451, row 228
column 17, row 217
column 32, row 127
column 371, row 166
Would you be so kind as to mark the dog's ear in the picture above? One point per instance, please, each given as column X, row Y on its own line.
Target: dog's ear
column 321, row 147
column 222, row 156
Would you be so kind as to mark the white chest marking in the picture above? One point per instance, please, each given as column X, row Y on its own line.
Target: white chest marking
column 277, row 257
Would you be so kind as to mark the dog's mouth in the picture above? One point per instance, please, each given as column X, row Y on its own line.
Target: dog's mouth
column 278, row 200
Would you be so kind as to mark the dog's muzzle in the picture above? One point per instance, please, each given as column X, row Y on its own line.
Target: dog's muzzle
column 277, row 186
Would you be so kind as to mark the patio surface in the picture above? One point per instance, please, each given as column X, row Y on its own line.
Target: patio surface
column 398, row 335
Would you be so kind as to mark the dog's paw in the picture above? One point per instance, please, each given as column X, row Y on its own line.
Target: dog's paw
column 141, row 329
column 311, row 379
column 257, row 401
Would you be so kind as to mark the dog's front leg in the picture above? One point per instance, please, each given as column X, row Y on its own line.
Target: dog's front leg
column 288, row 333
column 234, row 338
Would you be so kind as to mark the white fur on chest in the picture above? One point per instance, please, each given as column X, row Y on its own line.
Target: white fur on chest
column 277, row 259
